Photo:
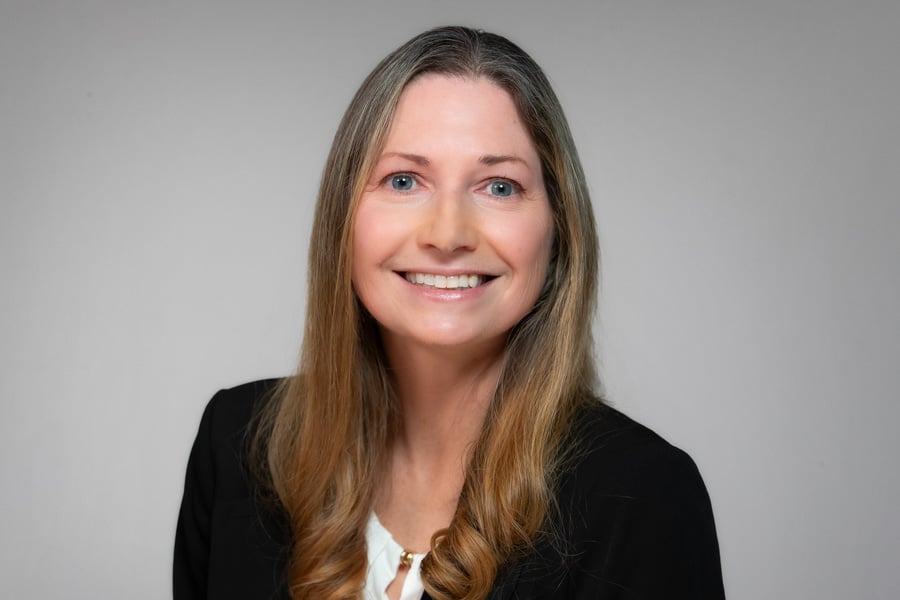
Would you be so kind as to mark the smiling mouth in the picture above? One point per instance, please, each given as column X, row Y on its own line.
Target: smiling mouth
column 447, row 282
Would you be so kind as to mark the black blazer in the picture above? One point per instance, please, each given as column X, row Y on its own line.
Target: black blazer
column 636, row 520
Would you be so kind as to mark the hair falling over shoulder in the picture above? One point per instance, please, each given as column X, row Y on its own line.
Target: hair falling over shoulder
column 321, row 446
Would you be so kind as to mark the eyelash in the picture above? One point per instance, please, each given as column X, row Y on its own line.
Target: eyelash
column 516, row 188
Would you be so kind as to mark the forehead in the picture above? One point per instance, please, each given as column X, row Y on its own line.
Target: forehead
column 443, row 110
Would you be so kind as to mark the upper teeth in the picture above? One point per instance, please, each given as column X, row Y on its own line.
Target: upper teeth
column 450, row 282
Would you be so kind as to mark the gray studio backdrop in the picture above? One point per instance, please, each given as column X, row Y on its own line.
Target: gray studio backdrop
column 158, row 166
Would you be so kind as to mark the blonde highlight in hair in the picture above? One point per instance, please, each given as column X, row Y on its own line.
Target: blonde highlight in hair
column 321, row 446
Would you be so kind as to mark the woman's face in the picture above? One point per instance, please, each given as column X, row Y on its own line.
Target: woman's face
column 453, row 233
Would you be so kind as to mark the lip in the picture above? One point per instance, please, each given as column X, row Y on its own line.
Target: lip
column 446, row 294
column 429, row 278
column 446, row 272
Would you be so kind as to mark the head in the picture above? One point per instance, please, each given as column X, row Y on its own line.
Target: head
column 568, row 295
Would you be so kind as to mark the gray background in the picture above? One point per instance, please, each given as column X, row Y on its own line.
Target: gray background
column 158, row 164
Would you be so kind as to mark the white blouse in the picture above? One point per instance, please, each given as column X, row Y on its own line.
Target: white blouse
column 384, row 562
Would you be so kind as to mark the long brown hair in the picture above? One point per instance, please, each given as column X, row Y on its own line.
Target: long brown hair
column 323, row 441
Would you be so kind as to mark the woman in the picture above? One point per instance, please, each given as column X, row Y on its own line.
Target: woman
column 443, row 435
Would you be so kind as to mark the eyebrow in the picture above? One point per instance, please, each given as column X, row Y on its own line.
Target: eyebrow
column 416, row 158
column 493, row 159
column 486, row 159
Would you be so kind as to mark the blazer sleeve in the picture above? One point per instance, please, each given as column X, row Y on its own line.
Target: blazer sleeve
column 192, row 534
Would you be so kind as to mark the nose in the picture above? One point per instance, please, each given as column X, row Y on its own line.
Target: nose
column 449, row 225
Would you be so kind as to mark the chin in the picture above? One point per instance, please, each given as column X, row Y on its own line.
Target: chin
column 449, row 340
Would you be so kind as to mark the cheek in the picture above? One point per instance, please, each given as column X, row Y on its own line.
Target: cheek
column 377, row 235
column 543, row 235
column 528, row 244
column 368, row 230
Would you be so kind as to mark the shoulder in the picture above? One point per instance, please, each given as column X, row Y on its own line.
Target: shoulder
column 226, row 429
column 228, row 544
column 613, row 454
column 641, row 482
column 218, row 465
column 633, row 518
column 232, row 409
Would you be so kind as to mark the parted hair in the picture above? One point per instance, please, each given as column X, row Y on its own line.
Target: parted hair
column 321, row 443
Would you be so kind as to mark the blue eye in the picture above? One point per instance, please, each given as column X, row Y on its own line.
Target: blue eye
column 502, row 188
column 402, row 182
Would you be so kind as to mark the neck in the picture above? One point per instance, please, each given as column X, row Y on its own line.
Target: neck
column 444, row 396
